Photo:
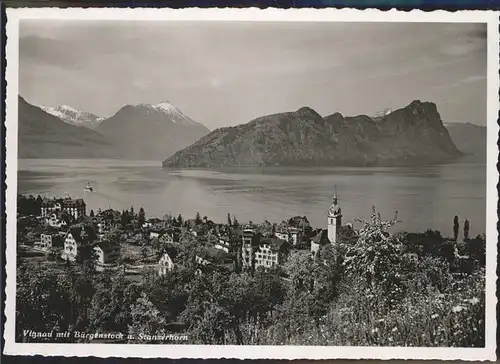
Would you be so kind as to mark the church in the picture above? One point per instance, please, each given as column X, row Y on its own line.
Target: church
column 334, row 230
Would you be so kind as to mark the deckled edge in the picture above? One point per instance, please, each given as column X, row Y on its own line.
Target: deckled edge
column 248, row 14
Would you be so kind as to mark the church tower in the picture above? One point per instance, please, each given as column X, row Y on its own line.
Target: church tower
column 334, row 219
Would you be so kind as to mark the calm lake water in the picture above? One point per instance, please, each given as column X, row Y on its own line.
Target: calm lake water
column 425, row 197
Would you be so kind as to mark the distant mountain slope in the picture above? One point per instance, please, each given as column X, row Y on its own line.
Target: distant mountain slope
column 411, row 135
column 75, row 117
column 470, row 139
column 151, row 132
column 42, row 135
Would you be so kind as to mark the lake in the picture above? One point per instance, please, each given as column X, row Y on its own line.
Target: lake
column 425, row 197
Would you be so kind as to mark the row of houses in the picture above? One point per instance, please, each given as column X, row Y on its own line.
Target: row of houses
column 248, row 247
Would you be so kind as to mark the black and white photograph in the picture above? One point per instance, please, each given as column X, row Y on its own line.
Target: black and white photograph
column 254, row 182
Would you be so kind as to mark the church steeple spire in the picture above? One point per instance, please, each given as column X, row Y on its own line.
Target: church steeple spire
column 334, row 218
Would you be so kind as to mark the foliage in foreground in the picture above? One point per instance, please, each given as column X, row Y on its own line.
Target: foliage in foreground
column 384, row 289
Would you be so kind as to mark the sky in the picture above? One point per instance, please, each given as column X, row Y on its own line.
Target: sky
column 228, row 73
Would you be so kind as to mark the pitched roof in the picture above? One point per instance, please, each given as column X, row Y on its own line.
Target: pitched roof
column 83, row 234
column 275, row 243
column 171, row 250
column 60, row 214
column 214, row 255
column 107, row 246
column 321, row 237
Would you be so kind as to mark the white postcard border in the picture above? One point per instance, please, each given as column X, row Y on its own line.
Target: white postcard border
column 250, row 352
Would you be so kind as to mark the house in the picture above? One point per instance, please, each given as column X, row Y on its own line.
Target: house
column 166, row 238
column 260, row 251
column 281, row 234
column 152, row 222
column 320, row 238
column 107, row 253
column 49, row 206
column 214, row 258
column 155, row 233
column 223, row 243
column 78, row 239
column 271, row 252
column 250, row 242
column 295, row 236
column 291, row 234
column 299, row 222
column 74, row 207
column 49, row 241
column 58, row 219
column 103, row 225
column 167, row 259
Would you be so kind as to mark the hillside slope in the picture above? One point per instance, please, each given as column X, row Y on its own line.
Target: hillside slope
column 470, row 139
column 42, row 135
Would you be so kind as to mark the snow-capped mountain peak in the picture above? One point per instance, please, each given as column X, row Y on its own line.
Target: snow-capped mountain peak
column 165, row 107
column 68, row 108
column 72, row 116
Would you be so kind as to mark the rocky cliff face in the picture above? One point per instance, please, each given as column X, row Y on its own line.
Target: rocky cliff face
column 412, row 135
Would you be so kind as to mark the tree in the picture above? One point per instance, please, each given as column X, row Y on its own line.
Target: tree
column 91, row 213
column 179, row 220
column 124, row 218
column 144, row 251
column 142, row 217
column 229, row 222
column 235, row 221
column 132, row 214
column 147, row 320
column 375, row 256
column 466, row 229
column 455, row 228
column 41, row 302
column 113, row 235
column 38, row 205
column 198, row 219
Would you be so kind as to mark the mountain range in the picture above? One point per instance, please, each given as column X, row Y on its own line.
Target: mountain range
column 411, row 135
column 414, row 134
column 143, row 131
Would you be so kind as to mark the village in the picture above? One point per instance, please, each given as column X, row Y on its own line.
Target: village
column 61, row 230
column 125, row 272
